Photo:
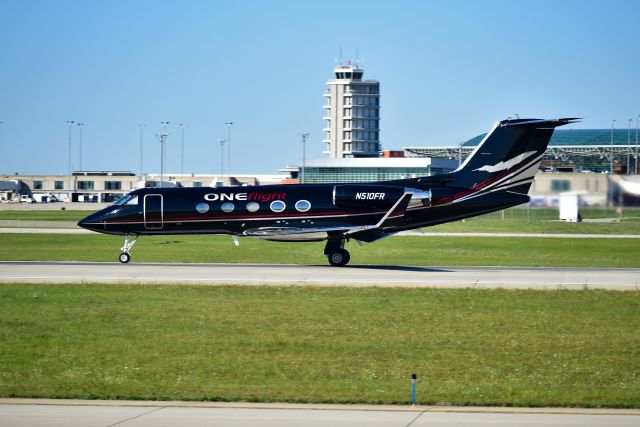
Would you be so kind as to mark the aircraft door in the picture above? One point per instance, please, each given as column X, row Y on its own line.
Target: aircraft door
column 153, row 212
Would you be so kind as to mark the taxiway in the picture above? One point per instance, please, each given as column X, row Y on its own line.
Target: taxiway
column 34, row 412
column 289, row 274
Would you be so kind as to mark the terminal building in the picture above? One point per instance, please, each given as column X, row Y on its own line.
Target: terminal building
column 600, row 164
column 570, row 150
column 108, row 186
column 325, row 171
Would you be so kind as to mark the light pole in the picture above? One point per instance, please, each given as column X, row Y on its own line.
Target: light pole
column 229, row 124
column 141, row 137
column 304, row 155
column 1, row 123
column 80, row 125
column 636, row 156
column 181, row 149
column 629, row 145
column 163, row 138
column 613, row 124
column 69, row 125
column 222, row 141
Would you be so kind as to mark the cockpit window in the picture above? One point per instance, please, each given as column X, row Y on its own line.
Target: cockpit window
column 122, row 200
column 127, row 200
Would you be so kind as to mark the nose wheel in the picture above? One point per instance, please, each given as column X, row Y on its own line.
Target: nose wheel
column 125, row 257
column 337, row 255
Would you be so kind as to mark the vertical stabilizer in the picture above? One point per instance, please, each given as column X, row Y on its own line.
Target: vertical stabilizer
column 509, row 155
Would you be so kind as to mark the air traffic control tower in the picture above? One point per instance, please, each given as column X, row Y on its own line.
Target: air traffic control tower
column 352, row 114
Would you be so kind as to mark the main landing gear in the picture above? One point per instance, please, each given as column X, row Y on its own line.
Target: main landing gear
column 336, row 253
column 125, row 257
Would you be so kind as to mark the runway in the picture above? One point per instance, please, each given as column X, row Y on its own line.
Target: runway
column 59, row 227
column 32, row 413
column 289, row 274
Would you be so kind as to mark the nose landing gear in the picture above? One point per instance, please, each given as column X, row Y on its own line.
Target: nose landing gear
column 125, row 257
column 336, row 253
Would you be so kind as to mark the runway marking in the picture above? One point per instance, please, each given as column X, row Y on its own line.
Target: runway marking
column 137, row 416
column 416, row 418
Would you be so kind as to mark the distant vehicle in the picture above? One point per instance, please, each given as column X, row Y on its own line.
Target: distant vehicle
column 38, row 198
column 26, row 198
column 44, row 198
column 497, row 175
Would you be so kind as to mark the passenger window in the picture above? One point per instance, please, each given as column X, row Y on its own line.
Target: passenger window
column 278, row 206
column 253, row 207
column 303, row 205
column 202, row 207
column 227, row 207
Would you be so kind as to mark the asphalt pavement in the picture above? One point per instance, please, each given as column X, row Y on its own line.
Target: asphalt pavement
column 70, row 413
column 324, row 275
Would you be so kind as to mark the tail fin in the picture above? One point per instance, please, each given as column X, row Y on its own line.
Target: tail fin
column 509, row 155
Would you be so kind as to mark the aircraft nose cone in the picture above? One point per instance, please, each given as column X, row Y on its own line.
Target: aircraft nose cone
column 91, row 222
column 83, row 223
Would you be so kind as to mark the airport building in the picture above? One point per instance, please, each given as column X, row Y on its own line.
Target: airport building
column 352, row 114
column 323, row 171
column 600, row 165
column 570, row 150
column 108, row 186
column 352, row 138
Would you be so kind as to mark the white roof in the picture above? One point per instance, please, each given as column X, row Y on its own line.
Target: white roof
column 382, row 162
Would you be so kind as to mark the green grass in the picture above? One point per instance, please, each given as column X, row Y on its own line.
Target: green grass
column 310, row 344
column 545, row 220
column 398, row 250
column 492, row 224
column 515, row 220
column 44, row 215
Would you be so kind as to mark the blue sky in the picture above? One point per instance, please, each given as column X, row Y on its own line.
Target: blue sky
column 448, row 70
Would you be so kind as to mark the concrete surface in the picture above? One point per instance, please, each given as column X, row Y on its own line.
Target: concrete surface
column 352, row 275
column 538, row 235
column 36, row 412
column 75, row 206
column 38, row 230
column 52, row 227
column 65, row 227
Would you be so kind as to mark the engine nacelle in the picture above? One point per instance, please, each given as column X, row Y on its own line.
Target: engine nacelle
column 354, row 196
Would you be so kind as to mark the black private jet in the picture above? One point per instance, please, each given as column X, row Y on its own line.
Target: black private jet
column 497, row 175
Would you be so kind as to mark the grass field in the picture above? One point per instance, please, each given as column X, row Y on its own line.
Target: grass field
column 541, row 221
column 519, row 220
column 398, row 250
column 468, row 347
column 44, row 215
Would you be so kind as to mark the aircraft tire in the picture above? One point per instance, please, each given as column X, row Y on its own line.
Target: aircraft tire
column 124, row 257
column 339, row 258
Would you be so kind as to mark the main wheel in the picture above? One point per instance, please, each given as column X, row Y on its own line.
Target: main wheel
column 339, row 258
column 124, row 257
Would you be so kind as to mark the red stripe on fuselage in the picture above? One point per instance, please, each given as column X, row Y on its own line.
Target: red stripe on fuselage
column 266, row 216
column 475, row 188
